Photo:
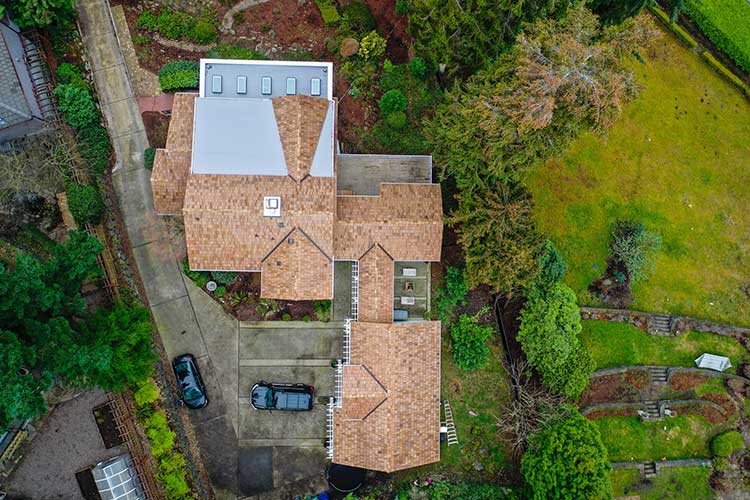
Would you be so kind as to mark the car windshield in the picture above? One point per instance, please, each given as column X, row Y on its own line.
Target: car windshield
column 191, row 393
column 182, row 370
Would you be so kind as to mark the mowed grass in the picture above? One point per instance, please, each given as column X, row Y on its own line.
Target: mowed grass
column 627, row 439
column 618, row 344
column 677, row 159
column 676, row 482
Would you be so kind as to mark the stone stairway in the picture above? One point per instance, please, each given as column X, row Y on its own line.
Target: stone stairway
column 649, row 469
column 658, row 374
column 661, row 324
column 651, row 411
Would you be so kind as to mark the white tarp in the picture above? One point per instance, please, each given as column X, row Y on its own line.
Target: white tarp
column 713, row 362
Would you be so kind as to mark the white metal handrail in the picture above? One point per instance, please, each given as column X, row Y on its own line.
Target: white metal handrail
column 355, row 290
column 329, row 427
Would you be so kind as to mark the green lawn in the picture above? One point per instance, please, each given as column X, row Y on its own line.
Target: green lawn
column 678, row 482
column 678, row 159
column 627, row 439
column 617, row 344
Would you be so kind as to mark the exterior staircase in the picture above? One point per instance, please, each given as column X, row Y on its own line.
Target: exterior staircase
column 659, row 374
column 651, row 412
column 649, row 469
column 452, row 436
column 661, row 324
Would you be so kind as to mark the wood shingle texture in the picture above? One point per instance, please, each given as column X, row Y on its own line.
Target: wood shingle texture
column 376, row 286
column 299, row 119
column 172, row 164
column 390, row 414
column 406, row 220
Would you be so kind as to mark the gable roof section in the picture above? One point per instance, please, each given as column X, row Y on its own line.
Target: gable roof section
column 404, row 430
column 297, row 269
column 300, row 119
column 406, row 220
column 376, row 285
column 14, row 108
column 224, row 224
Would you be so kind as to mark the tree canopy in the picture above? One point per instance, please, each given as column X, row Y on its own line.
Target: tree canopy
column 616, row 11
column 40, row 13
column 566, row 460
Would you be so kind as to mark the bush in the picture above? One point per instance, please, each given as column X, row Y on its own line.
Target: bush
column 633, row 247
column 328, row 12
column 226, row 51
column 85, row 203
column 372, row 47
column 95, row 148
column 69, row 73
column 552, row 266
column 224, row 277
column 397, row 120
column 445, row 490
column 306, row 318
column 159, row 435
column 174, row 25
column 204, row 32
column 726, row 443
column 384, row 139
column 359, row 18
column 200, row 278
column 470, row 349
column 322, row 309
column 418, row 67
column 402, row 7
column 172, row 476
column 179, row 75
column 147, row 21
column 286, row 317
column 393, row 101
column 146, row 394
column 148, row 158
column 725, row 23
column 76, row 105
column 452, row 294
column 567, row 459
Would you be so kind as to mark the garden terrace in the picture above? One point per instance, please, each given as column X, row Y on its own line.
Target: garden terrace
column 678, row 482
column 683, row 168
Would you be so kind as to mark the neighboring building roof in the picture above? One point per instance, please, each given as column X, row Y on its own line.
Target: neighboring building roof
column 406, row 220
column 390, row 414
column 14, row 101
column 376, row 286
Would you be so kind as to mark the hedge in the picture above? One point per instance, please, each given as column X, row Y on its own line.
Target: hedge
column 725, row 72
column 179, row 26
column 727, row 24
column 85, row 203
column 95, row 148
column 226, row 51
column 76, row 105
column 179, row 75
column 674, row 27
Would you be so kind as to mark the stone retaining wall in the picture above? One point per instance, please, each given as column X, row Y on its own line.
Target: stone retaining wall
column 645, row 320
column 671, row 370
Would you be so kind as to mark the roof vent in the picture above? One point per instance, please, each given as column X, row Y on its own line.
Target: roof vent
column 216, row 84
column 290, row 241
column 265, row 85
column 242, row 85
column 291, row 86
column 272, row 206
column 315, row 86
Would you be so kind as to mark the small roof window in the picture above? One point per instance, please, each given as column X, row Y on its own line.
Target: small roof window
column 242, row 85
column 216, row 84
column 272, row 206
column 291, row 86
column 315, row 86
column 265, row 85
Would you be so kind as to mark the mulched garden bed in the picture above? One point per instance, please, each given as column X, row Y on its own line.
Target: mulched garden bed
column 712, row 415
column 105, row 421
column 687, row 381
column 613, row 412
column 157, row 125
column 611, row 389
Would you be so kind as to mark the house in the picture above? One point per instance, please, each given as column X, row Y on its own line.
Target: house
column 25, row 94
column 252, row 164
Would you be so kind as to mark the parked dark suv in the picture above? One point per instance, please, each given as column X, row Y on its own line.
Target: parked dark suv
column 190, row 381
column 287, row 397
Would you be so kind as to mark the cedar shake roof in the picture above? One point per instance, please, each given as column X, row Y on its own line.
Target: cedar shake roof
column 225, row 227
column 403, row 430
column 299, row 119
column 172, row 165
column 406, row 220
column 376, row 286
column 297, row 269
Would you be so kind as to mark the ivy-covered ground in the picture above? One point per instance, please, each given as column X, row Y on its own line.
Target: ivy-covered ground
column 678, row 159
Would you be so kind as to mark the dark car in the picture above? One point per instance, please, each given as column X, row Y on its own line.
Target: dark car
column 287, row 397
column 190, row 381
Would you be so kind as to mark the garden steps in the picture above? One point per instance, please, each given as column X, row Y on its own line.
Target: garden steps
column 649, row 469
column 659, row 374
column 651, row 411
column 661, row 324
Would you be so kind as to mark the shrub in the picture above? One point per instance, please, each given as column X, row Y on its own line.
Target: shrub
column 445, row 490
column 267, row 307
column 148, row 158
column 200, row 278
column 157, row 430
column 359, row 18
column 76, row 105
column 322, row 309
column 85, row 203
column 286, row 317
column 725, row 23
column 140, row 39
column 726, row 443
column 306, row 318
column 147, row 21
column 69, row 73
column 393, row 101
column 224, row 277
column 470, row 350
column 146, row 394
column 384, row 139
column 328, row 12
column 402, row 7
column 226, row 51
column 179, row 75
column 567, row 459
column 220, row 291
column 172, row 476
column 174, row 25
column 418, row 67
column 372, row 46
column 452, row 294
column 397, row 120
column 95, row 148
column 204, row 32
column 552, row 266
column 633, row 246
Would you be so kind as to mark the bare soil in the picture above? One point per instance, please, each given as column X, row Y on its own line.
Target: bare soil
column 610, row 389
column 609, row 289
column 712, row 415
column 157, row 126
column 105, row 421
column 687, row 381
